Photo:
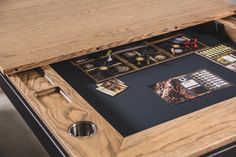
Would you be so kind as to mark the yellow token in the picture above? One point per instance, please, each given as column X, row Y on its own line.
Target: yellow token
column 139, row 59
column 176, row 46
column 103, row 68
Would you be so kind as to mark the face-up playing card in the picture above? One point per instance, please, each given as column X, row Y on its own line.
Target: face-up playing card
column 172, row 91
column 189, row 86
column 112, row 87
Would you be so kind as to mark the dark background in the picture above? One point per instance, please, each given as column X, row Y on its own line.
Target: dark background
column 138, row 107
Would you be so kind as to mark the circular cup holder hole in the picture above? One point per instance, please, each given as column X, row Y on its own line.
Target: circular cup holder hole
column 82, row 129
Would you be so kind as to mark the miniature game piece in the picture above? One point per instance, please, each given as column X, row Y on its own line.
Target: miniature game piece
column 109, row 52
column 195, row 43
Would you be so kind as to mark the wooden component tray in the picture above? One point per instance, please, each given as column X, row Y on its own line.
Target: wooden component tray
column 119, row 58
column 59, row 107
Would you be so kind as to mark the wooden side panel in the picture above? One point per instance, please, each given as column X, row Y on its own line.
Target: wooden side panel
column 188, row 136
column 58, row 109
column 229, row 26
column 39, row 32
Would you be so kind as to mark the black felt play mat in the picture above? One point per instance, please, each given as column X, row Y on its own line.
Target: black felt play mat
column 138, row 107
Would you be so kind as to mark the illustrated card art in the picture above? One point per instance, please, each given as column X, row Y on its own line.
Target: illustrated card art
column 112, row 87
column 186, row 87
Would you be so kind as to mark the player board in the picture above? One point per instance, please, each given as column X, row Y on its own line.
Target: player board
column 186, row 87
column 221, row 54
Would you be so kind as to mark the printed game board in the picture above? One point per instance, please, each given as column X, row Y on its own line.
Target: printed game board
column 143, row 57
column 186, row 87
column 221, row 54
column 180, row 45
column 101, row 69
column 107, row 65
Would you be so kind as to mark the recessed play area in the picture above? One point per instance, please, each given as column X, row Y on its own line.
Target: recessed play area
column 156, row 81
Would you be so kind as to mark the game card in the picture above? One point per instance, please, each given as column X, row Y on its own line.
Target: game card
column 186, row 87
column 221, row 54
column 112, row 87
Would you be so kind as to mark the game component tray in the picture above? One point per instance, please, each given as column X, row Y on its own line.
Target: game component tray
column 143, row 55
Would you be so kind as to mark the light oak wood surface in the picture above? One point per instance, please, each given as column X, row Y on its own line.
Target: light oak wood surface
column 38, row 32
column 188, row 136
column 58, row 112
column 229, row 26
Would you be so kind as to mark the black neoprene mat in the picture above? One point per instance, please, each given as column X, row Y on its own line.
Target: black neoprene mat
column 138, row 107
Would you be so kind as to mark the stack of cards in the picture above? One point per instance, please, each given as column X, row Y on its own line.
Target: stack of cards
column 189, row 86
column 112, row 87
column 223, row 55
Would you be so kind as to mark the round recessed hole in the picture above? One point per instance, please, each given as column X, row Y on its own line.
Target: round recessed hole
column 82, row 129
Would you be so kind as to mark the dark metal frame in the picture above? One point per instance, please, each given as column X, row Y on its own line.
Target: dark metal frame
column 37, row 126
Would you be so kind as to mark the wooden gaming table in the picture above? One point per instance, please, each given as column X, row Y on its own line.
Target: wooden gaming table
column 60, row 104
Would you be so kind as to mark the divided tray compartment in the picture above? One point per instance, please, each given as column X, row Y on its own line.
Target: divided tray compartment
column 53, row 96
column 35, row 80
column 134, row 57
column 44, row 89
